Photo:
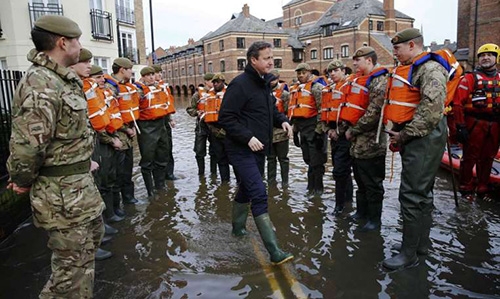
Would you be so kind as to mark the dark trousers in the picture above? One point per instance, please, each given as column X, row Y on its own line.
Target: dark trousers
column 201, row 134
column 278, row 150
column 153, row 145
column 220, row 153
column 342, row 168
column 169, row 151
column 124, row 173
column 369, row 175
column 249, row 169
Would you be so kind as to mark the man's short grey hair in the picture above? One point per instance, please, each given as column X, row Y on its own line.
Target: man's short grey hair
column 255, row 48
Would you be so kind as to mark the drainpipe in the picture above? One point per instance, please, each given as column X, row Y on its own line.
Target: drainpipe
column 475, row 36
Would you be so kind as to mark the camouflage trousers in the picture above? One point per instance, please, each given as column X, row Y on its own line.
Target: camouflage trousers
column 73, row 251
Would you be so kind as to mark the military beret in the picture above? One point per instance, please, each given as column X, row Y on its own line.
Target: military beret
column 208, row 76
column 59, row 25
column 275, row 72
column 85, row 55
column 157, row 68
column 335, row 64
column 218, row 77
column 96, row 70
column 303, row 66
column 405, row 35
column 363, row 51
column 123, row 62
column 147, row 70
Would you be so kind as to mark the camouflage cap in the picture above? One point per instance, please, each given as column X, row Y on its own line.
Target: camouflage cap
column 405, row 35
column 96, row 70
column 85, row 55
column 147, row 70
column 303, row 66
column 275, row 72
column 208, row 76
column 157, row 68
column 335, row 64
column 363, row 51
column 59, row 25
column 123, row 62
column 218, row 77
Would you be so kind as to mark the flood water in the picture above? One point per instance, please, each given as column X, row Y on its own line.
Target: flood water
column 179, row 244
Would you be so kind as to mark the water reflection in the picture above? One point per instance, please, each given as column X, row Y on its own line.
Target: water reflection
column 178, row 244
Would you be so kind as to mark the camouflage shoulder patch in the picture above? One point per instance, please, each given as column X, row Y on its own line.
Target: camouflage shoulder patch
column 36, row 128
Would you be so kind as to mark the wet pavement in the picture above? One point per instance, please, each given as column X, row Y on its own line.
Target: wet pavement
column 179, row 244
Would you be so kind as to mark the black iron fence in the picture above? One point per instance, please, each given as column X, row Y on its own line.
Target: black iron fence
column 37, row 10
column 124, row 14
column 8, row 83
column 101, row 24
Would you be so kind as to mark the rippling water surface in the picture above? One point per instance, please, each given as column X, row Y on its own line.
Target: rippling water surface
column 178, row 244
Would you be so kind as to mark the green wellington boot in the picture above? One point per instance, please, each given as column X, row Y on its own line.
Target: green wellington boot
column 268, row 235
column 407, row 257
column 240, row 214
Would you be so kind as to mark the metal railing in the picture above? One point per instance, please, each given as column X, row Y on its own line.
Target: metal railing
column 36, row 10
column 125, row 15
column 101, row 23
column 8, row 83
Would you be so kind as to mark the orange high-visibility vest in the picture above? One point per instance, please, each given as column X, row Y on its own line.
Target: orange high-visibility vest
column 277, row 93
column 302, row 102
column 212, row 106
column 202, row 99
column 116, row 121
column 402, row 96
column 170, row 97
column 97, row 109
column 332, row 99
column 128, row 99
column 153, row 104
column 357, row 99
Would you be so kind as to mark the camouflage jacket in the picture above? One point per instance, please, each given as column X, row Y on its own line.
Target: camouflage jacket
column 364, row 133
column 50, row 127
column 431, row 78
column 279, row 134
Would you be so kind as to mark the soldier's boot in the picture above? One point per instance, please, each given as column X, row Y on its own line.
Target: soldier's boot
column 361, row 208
column 374, row 214
column 213, row 165
column 271, row 170
column 349, row 189
column 224, row 172
column 240, row 214
column 109, row 230
column 340, row 195
column 285, row 170
column 201, row 165
column 148, row 183
column 424, row 243
column 265, row 227
column 117, row 204
column 102, row 254
column 159, row 177
column 310, row 182
column 407, row 257
column 106, row 238
column 318, row 180
column 109, row 212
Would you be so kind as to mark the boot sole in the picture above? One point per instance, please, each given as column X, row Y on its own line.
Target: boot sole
column 416, row 263
column 283, row 261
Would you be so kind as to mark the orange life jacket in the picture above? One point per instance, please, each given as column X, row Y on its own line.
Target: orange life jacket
column 128, row 99
column 486, row 94
column 332, row 99
column 357, row 99
column 114, row 112
column 202, row 99
column 212, row 107
column 97, row 109
column 302, row 102
column 153, row 104
column 403, row 97
column 277, row 93
column 170, row 97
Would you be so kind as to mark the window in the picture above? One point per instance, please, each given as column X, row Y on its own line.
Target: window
column 344, row 51
column 314, row 54
column 103, row 63
column 222, row 66
column 200, row 69
column 38, row 8
column 297, row 55
column 101, row 24
column 365, row 44
column 209, row 48
column 127, row 42
column 370, row 25
column 125, row 11
column 210, row 67
column 277, row 42
column 380, row 26
column 176, row 73
column 241, row 64
column 221, row 45
column 277, row 64
column 328, row 53
column 190, row 70
column 170, row 73
column 328, row 30
column 240, row 42
column 183, row 72
column 298, row 21
column 3, row 63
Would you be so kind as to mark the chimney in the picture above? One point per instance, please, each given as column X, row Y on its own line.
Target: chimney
column 390, row 17
column 447, row 42
column 246, row 11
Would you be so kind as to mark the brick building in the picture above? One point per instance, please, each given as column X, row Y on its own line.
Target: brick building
column 478, row 24
column 312, row 31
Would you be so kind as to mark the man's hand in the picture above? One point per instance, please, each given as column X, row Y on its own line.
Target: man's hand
column 348, row 135
column 18, row 190
column 131, row 132
column 117, row 143
column 94, row 166
column 172, row 124
column 394, row 140
column 286, row 126
column 255, row 145
column 332, row 134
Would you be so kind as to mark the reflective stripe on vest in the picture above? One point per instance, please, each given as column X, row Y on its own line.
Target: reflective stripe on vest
column 302, row 102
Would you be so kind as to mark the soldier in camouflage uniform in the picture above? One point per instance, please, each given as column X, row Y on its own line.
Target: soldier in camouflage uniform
column 50, row 148
column 367, row 92
column 304, row 113
column 279, row 148
column 422, row 141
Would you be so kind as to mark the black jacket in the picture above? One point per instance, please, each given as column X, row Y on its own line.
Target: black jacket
column 248, row 110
